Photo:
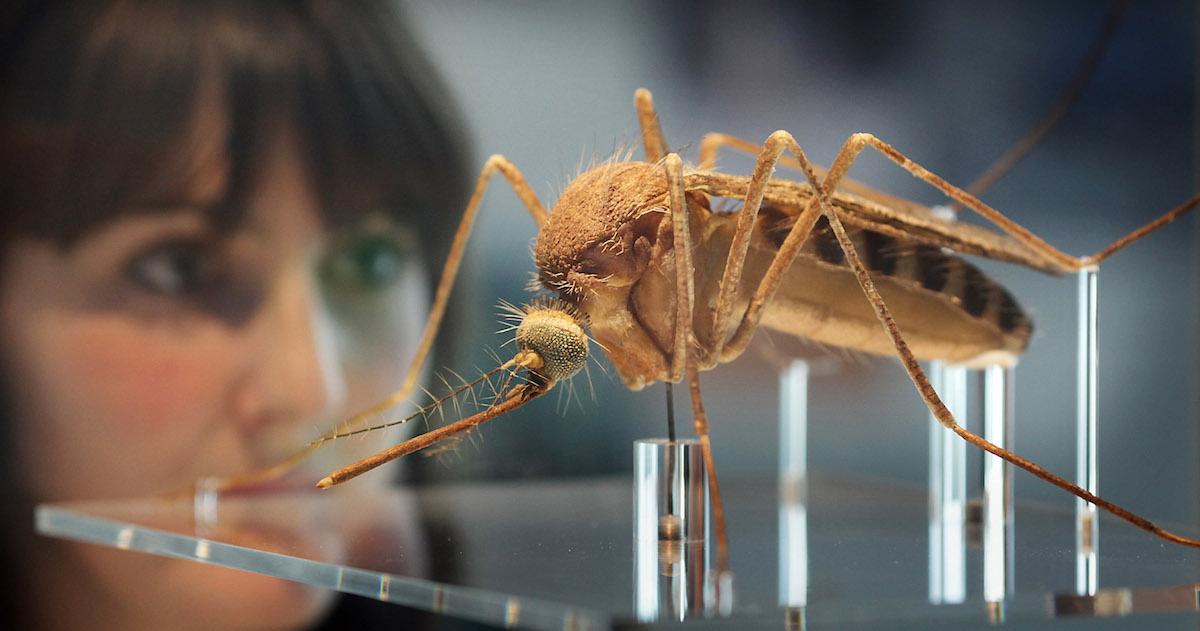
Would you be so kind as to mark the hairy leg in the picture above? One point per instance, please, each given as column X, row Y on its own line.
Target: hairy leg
column 684, row 354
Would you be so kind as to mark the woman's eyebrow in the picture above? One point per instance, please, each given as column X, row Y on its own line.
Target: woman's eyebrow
column 171, row 215
column 204, row 186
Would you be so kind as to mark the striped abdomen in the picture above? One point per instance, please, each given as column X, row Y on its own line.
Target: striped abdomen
column 946, row 308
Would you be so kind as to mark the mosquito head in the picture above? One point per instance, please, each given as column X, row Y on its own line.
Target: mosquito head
column 553, row 330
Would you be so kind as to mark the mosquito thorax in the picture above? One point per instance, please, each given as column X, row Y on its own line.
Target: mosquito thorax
column 557, row 337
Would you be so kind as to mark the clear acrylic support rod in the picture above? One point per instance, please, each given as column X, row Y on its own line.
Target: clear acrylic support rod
column 998, row 403
column 1087, row 535
column 948, row 491
column 670, row 530
column 793, row 487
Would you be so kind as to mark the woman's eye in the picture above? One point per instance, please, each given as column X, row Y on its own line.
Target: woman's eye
column 370, row 262
column 172, row 269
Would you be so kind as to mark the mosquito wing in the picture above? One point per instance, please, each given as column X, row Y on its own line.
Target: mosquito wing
column 868, row 209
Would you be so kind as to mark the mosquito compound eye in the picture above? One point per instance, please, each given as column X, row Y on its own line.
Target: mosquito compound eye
column 558, row 338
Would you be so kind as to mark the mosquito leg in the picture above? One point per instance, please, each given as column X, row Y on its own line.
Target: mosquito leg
column 928, row 394
column 731, row 278
column 784, row 258
column 685, row 291
column 858, row 142
column 683, row 348
column 652, row 135
column 934, row 402
column 713, row 142
column 655, row 144
column 656, row 149
column 796, row 237
column 788, row 250
column 494, row 164
column 700, row 423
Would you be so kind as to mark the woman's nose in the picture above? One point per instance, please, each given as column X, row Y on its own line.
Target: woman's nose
column 294, row 374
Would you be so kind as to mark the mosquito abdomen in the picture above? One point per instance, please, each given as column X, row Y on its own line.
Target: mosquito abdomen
column 946, row 307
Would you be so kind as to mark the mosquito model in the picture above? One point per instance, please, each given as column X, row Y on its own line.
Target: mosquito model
column 636, row 259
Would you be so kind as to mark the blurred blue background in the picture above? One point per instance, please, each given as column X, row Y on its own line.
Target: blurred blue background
column 952, row 84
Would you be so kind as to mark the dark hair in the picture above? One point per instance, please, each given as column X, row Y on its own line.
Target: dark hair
column 98, row 100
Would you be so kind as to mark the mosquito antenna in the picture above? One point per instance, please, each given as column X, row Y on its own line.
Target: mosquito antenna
column 454, row 401
column 1069, row 95
column 423, row 411
column 463, row 381
column 552, row 347
column 518, row 396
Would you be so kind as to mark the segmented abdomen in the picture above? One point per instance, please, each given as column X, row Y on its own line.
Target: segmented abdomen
column 932, row 268
column 946, row 308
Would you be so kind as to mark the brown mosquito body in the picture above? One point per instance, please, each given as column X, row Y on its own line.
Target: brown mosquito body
column 608, row 248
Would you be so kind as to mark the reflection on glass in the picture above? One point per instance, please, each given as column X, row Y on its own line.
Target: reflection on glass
column 672, row 567
column 1087, row 533
column 947, row 491
column 793, row 492
column 1128, row 601
column 205, row 501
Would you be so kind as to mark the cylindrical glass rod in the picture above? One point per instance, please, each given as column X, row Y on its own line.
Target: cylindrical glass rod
column 997, row 485
column 670, row 529
column 793, row 487
column 948, row 491
column 1087, row 532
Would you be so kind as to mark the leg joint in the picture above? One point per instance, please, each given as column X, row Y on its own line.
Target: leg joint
column 781, row 136
column 861, row 138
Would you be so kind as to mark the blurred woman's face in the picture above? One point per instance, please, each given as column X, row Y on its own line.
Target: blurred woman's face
column 159, row 350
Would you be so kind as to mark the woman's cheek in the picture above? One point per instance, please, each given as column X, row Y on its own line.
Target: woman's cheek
column 146, row 381
column 123, row 409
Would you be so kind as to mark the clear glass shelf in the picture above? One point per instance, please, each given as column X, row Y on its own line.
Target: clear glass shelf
column 560, row 555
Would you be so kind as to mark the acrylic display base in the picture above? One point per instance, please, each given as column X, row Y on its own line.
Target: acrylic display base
column 560, row 554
